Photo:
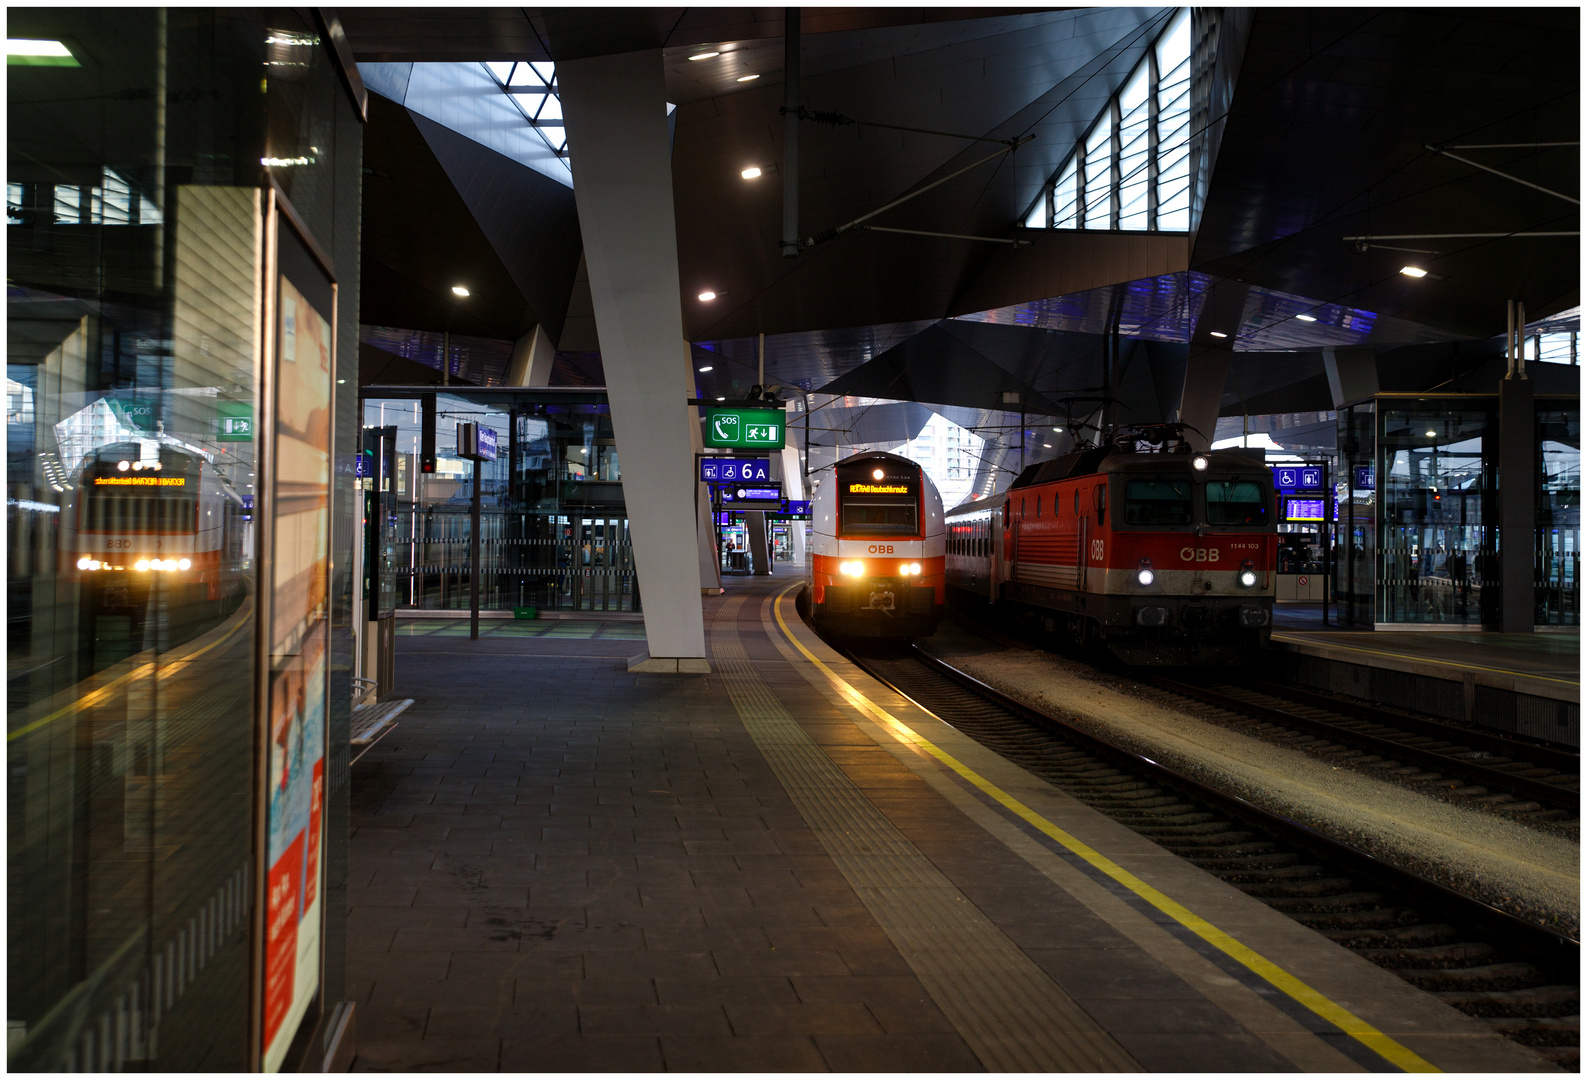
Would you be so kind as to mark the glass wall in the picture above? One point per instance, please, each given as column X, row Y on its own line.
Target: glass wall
column 138, row 232
column 1558, row 515
column 1418, row 517
column 553, row 530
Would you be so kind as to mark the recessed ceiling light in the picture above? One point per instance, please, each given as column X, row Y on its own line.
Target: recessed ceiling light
column 1057, row 429
column 1307, row 318
column 708, row 295
column 1432, row 434
column 1219, row 333
column 1046, row 446
column 746, row 78
column 721, row 399
column 1413, row 271
column 704, row 55
column 705, row 368
column 39, row 52
column 458, row 290
column 751, row 172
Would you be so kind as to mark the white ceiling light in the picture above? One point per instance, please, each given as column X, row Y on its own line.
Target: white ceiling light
column 1219, row 333
column 458, row 290
column 705, row 368
column 1413, row 271
column 1307, row 318
column 708, row 296
column 30, row 47
column 1057, row 429
column 746, row 78
column 704, row 55
column 751, row 172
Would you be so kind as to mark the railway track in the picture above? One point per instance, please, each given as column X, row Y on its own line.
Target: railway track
column 1521, row 979
column 1530, row 781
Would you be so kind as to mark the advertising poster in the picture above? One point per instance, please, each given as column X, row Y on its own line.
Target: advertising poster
column 299, row 619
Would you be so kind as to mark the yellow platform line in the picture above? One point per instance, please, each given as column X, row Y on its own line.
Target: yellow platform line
column 1340, row 1017
column 93, row 698
column 1422, row 659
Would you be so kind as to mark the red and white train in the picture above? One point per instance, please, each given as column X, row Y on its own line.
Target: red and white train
column 879, row 547
column 1165, row 556
column 155, row 513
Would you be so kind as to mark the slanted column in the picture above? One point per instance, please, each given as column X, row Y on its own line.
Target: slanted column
column 1201, row 398
column 1352, row 374
column 532, row 356
column 616, row 115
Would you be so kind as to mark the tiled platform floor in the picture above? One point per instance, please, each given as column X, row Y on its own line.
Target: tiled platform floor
column 558, row 865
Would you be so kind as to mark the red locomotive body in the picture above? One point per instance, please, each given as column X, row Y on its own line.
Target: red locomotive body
column 1167, row 558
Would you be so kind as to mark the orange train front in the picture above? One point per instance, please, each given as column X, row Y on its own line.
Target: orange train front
column 1165, row 556
column 879, row 546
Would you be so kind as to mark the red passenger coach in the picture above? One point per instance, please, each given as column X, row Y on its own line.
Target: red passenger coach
column 877, row 569
column 1166, row 556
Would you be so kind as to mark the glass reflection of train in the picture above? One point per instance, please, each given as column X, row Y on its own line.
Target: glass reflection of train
column 1164, row 557
column 155, row 516
column 877, row 564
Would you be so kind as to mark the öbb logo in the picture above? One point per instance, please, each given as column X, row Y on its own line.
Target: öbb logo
column 881, row 549
column 1196, row 554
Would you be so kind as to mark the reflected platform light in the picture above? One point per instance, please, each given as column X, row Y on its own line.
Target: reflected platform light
column 39, row 53
column 1413, row 271
column 704, row 55
column 746, row 78
column 458, row 290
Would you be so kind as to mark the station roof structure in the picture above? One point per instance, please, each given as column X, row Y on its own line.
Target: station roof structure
column 1328, row 149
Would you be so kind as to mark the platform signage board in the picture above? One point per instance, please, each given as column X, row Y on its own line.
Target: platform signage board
column 735, row 470
column 748, row 429
column 1294, row 479
column 1366, row 477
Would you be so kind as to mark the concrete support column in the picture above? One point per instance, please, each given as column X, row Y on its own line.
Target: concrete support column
column 759, row 548
column 1206, row 370
column 1517, row 506
column 1352, row 374
column 616, row 114
column 793, row 487
column 532, row 356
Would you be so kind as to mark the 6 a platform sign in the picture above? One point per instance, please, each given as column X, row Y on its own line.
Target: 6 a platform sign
column 745, row 428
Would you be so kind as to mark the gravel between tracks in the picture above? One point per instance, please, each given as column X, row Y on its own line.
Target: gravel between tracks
column 1532, row 874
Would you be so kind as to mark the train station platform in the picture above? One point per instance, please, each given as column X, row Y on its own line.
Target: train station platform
column 1524, row 684
column 560, row 865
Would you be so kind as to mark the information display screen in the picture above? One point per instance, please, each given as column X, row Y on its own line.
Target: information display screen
column 1303, row 510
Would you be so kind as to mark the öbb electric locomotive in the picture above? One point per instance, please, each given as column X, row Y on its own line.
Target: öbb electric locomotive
column 879, row 544
column 1162, row 554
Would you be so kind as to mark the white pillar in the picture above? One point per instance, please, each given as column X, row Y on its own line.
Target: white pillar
column 531, row 361
column 1201, row 399
column 793, row 485
column 616, row 115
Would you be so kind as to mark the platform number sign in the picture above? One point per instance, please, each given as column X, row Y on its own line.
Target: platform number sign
column 745, row 428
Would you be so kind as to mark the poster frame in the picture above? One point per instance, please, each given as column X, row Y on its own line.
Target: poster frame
column 278, row 210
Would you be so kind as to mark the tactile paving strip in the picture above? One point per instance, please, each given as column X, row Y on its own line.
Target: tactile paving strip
column 1012, row 1015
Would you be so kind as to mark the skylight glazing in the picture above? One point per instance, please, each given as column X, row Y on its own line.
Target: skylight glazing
column 1131, row 171
column 532, row 86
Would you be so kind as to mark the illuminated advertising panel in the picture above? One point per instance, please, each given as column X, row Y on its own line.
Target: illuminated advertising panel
column 296, row 706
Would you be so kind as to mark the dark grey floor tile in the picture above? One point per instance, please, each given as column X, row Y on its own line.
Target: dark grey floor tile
column 1187, row 1053
column 565, row 1054
column 429, row 1055
column 893, row 989
column 780, row 962
column 724, row 990
column 675, row 1020
column 509, row 1021
column 1170, row 1016
column 742, row 1055
column 646, row 964
column 898, row 1053
column 802, row 1018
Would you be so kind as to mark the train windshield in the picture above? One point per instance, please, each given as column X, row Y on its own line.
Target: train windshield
column 1235, row 502
column 879, row 519
column 1157, row 502
column 120, row 512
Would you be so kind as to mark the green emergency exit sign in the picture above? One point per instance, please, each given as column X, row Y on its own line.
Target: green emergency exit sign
column 233, row 421
column 761, row 429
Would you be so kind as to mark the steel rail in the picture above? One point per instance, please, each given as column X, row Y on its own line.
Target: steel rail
column 1528, row 938
column 1551, row 795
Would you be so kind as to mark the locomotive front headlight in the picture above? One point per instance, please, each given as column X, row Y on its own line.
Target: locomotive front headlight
column 185, row 564
column 914, row 568
column 1199, row 463
column 852, row 569
column 84, row 563
column 1248, row 574
column 141, row 564
column 1145, row 575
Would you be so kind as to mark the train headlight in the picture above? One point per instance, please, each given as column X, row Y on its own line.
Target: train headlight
column 1145, row 576
column 914, row 568
column 123, row 465
column 185, row 564
column 1199, row 463
column 84, row 563
column 1248, row 574
column 852, row 569
column 141, row 564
